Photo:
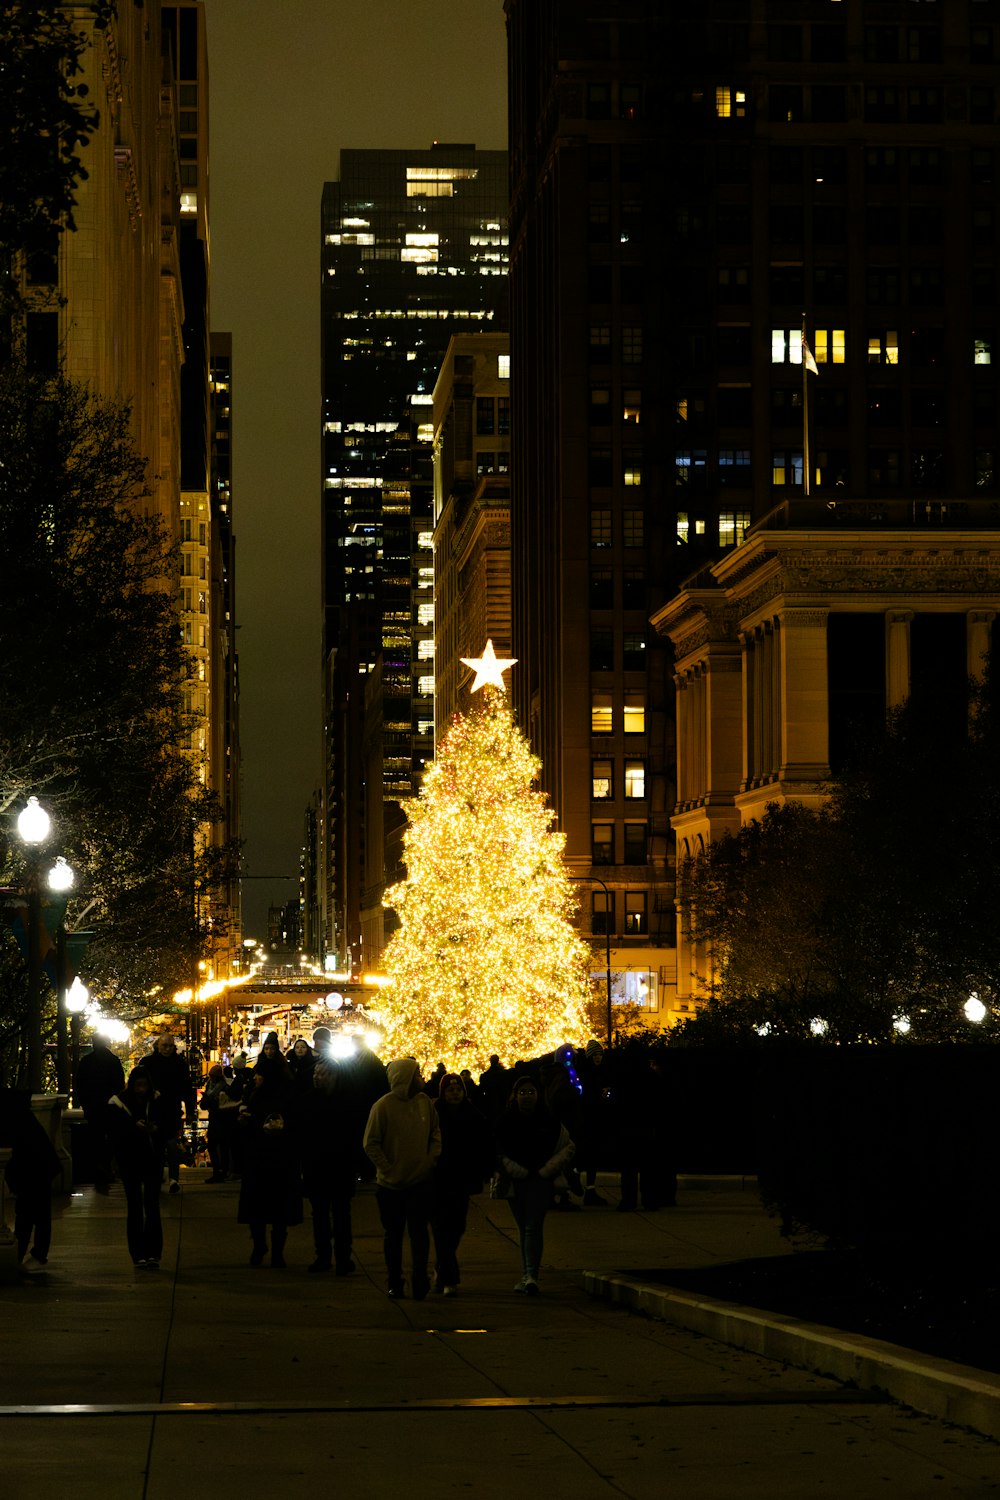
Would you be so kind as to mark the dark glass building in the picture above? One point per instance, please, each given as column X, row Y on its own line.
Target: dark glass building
column 414, row 250
column 693, row 188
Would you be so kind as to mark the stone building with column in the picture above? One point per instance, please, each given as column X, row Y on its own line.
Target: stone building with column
column 807, row 635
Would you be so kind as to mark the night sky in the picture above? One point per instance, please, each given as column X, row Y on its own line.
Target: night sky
column 292, row 83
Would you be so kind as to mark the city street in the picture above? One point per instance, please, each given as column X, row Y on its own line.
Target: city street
column 215, row 1378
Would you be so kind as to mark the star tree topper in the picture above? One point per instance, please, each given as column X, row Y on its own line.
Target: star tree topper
column 488, row 669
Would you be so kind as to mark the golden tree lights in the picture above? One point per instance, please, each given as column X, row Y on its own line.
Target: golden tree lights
column 486, row 958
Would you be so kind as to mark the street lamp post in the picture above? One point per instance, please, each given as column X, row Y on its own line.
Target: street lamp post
column 61, row 882
column 596, row 880
column 77, row 1000
column 33, row 825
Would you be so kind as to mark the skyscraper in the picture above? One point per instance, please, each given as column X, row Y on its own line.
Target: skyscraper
column 471, row 513
column 208, row 618
column 413, row 251
column 702, row 201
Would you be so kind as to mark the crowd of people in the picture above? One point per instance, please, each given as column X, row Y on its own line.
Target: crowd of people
column 307, row 1125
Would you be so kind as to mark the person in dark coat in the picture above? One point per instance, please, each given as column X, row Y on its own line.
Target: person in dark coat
column 33, row 1164
column 333, row 1120
column 139, row 1145
column 596, row 1143
column 271, row 1187
column 494, row 1090
column 222, row 1105
column 563, row 1099
column 533, row 1148
column 99, row 1074
column 466, row 1159
column 642, row 1133
column 171, row 1079
column 301, row 1060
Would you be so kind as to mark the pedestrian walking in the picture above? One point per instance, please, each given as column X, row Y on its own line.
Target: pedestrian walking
column 99, row 1074
column 403, row 1140
column 139, row 1144
column 222, row 1109
column 494, row 1090
column 332, row 1129
column 171, row 1080
column 466, row 1159
column 29, row 1172
column 271, row 1187
column 533, row 1149
column 595, row 1144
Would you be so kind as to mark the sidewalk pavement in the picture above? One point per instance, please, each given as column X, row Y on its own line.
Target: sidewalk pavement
column 209, row 1375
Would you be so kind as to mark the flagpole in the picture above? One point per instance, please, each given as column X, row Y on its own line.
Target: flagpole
column 805, row 414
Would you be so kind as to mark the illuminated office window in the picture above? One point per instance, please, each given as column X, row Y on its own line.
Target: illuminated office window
column 635, row 714
column 786, row 467
column 635, row 779
column 730, row 103
column 830, row 346
column 602, row 780
column 883, row 348
column 733, row 526
column 601, row 714
column 636, row 916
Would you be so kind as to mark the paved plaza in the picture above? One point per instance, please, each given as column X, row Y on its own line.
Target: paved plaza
column 214, row 1379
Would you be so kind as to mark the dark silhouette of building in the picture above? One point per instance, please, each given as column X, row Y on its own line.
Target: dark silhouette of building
column 695, row 190
column 413, row 251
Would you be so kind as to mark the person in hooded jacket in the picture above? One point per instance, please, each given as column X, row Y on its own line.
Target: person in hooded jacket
column 403, row 1140
column 139, row 1140
column 270, row 1188
column 534, row 1149
column 466, row 1159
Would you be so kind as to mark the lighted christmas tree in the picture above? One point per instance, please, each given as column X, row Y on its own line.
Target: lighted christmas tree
column 486, row 958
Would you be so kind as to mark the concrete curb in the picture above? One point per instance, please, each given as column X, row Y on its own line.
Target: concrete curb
column 956, row 1393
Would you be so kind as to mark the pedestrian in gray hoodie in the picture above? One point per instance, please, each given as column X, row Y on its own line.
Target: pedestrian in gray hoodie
column 403, row 1140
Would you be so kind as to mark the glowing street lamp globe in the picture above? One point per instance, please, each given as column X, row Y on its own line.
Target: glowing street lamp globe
column 33, row 822
column 61, row 876
column 77, row 997
column 974, row 1009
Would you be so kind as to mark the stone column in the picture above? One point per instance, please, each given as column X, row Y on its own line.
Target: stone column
column 768, row 743
column 680, row 735
column 700, row 737
column 746, row 686
column 723, row 711
column 897, row 657
column 805, row 702
column 977, row 637
column 759, row 681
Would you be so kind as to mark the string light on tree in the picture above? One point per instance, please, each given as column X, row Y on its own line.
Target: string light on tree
column 485, row 958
